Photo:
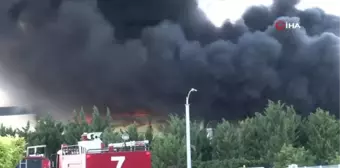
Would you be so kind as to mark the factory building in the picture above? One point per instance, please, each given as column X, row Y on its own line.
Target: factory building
column 17, row 117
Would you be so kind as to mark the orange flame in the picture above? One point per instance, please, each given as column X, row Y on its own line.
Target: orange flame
column 140, row 113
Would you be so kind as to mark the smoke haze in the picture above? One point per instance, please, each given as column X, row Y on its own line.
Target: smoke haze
column 148, row 54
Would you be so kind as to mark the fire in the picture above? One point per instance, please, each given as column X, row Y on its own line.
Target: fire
column 88, row 119
column 140, row 117
column 140, row 113
column 136, row 113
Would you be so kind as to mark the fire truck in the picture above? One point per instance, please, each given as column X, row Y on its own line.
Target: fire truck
column 91, row 152
column 35, row 158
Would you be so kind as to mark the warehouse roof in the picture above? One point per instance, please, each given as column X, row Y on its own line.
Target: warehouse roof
column 13, row 110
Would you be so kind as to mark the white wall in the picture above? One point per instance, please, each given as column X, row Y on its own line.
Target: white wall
column 18, row 121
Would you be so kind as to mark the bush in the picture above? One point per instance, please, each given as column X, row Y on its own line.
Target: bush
column 335, row 160
column 289, row 155
column 229, row 163
column 322, row 132
column 11, row 151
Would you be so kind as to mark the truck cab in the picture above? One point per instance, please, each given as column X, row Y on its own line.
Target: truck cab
column 35, row 158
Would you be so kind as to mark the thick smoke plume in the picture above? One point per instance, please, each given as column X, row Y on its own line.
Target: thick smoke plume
column 148, row 54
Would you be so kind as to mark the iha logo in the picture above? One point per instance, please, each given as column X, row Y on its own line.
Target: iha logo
column 283, row 25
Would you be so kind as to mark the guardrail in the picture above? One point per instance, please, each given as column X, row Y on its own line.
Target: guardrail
column 296, row 166
column 321, row 166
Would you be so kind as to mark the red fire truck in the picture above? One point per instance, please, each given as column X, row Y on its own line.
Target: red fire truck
column 35, row 158
column 91, row 153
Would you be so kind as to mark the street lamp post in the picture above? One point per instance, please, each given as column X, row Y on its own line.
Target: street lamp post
column 187, row 127
column 125, row 137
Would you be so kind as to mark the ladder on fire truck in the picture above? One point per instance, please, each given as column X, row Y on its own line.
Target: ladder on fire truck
column 129, row 146
column 91, row 143
column 33, row 151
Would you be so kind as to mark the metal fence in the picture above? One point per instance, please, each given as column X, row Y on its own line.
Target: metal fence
column 321, row 166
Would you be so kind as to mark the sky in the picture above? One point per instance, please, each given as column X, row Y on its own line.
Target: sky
column 220, row 10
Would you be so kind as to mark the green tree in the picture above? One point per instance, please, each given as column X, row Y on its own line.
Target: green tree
column 263, row 135
column 322, row 131
column 98, row 124
column 25, row 132
column 175, row 125
column 5, row 156
column 108, row 119
column 75, row 128
column 335, row 160
column 289, row 155
column 228, row 146
column 82, row 122
column 226, row 141
column 149, row 133
column 4, row 131
column 201, row 144
column 111, row 136
column 48, row 132
column 11, row 151
column 132, row 131
column 169, row 149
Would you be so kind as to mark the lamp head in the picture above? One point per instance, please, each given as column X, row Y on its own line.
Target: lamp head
column 193, row 90
column 125, row 137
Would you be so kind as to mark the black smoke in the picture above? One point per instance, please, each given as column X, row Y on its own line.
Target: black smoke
column 130, row 54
